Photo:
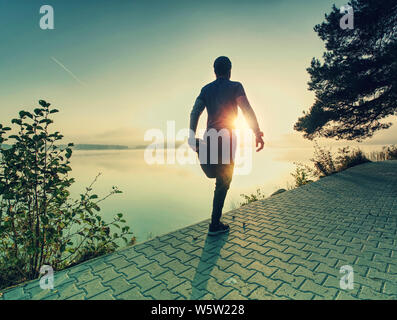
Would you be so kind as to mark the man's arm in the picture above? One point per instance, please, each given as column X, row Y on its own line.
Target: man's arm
column 194, row 118
column 250, row 117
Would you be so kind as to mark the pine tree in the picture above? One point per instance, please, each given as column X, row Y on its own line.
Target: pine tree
column 356, row 83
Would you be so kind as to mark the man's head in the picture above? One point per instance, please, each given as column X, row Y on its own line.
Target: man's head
column 222, row 67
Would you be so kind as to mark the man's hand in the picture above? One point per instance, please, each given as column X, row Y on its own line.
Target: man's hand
column 192, row 143
column 259, row 141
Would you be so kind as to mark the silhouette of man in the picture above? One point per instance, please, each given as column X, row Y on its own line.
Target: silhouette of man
column 221, row 98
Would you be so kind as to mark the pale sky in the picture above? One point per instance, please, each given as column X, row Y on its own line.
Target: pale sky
column 117, row 68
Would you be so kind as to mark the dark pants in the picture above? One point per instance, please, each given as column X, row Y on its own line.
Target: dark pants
column 224, row 174
column 222, row 171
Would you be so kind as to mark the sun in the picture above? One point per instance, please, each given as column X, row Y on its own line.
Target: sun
column 240, row 122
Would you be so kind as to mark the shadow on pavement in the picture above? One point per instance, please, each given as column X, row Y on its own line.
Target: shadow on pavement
column 208, row 260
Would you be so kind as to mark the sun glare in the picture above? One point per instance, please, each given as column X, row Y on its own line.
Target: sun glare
column 240, row 122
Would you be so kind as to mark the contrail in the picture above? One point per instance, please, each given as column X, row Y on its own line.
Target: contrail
column 68, row 71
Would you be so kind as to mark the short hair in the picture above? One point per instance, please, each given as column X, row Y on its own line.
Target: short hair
column 222, row 66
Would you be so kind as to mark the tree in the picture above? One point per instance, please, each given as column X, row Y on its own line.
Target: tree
column 356, row 84
column 39, row 223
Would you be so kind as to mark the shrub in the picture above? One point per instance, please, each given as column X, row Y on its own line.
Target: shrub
column 347, row 158
column 39, row 223
column 252, row 197
column 326, row 164
column 387, row 153
column 302, row 175
column 391, row 152
column 323, row 162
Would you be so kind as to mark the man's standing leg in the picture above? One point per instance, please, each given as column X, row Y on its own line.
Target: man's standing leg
column 223, row 180
column 223, row 175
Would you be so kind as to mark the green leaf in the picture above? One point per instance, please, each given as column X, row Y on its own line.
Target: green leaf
column 16, row 121
column 38, row 111
column 44, row 104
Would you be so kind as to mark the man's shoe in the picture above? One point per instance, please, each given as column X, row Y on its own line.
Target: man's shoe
column 217, row 229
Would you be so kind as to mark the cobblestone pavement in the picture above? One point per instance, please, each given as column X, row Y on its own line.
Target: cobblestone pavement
column 289, row 246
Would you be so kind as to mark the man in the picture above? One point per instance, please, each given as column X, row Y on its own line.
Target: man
column 221, row 98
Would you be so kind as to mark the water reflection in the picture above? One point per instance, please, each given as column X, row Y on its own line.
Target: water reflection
column 161, row 198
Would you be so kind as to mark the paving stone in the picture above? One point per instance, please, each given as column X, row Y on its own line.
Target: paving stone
column 129, row 253
column 371, row 294
column 131, row 272
column 92, row 288
column 269, row 284
column 182, row 256
column 145, row 282
column 312, row 287
column 213, row 287
column 154, row 268
column 118, row 285
column 107, row 295
column 15, row 294
column 107, row 274
column 243, row 287
column 292, row 279
column 83, row 276
column 390, row 288
column 244, row 273
column 265, row 269
column 289, row 291
column 234, row 295
column 176, row 266
column 162, row 258
column 186, row 290
column 343, row 295
column 170, row 279
column 261, row 293
column 161, row 292
column 238, row 258
column 132, row 294
column 290, row 268
column 120, row 262
column 307, row 273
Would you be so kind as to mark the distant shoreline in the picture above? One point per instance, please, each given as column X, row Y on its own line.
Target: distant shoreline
column 99, row 147
column 87, row 147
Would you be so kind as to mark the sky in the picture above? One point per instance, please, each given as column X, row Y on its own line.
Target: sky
column 117, row 68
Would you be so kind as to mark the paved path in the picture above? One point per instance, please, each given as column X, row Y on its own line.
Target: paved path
column 290, row 246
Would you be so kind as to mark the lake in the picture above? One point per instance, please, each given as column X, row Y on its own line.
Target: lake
column 157, row 199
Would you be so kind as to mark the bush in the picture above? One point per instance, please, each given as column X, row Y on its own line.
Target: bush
column 323, row 162
column 391, row 152
column 302, row 175
column 39, row 223
column 348, row 158
column 387, row 153
column 326, row 164
column 252, row 197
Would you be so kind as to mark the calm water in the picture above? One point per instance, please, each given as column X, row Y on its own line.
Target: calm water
column 157, row 199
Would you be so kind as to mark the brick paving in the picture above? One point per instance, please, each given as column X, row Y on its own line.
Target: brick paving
column 289, row 246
